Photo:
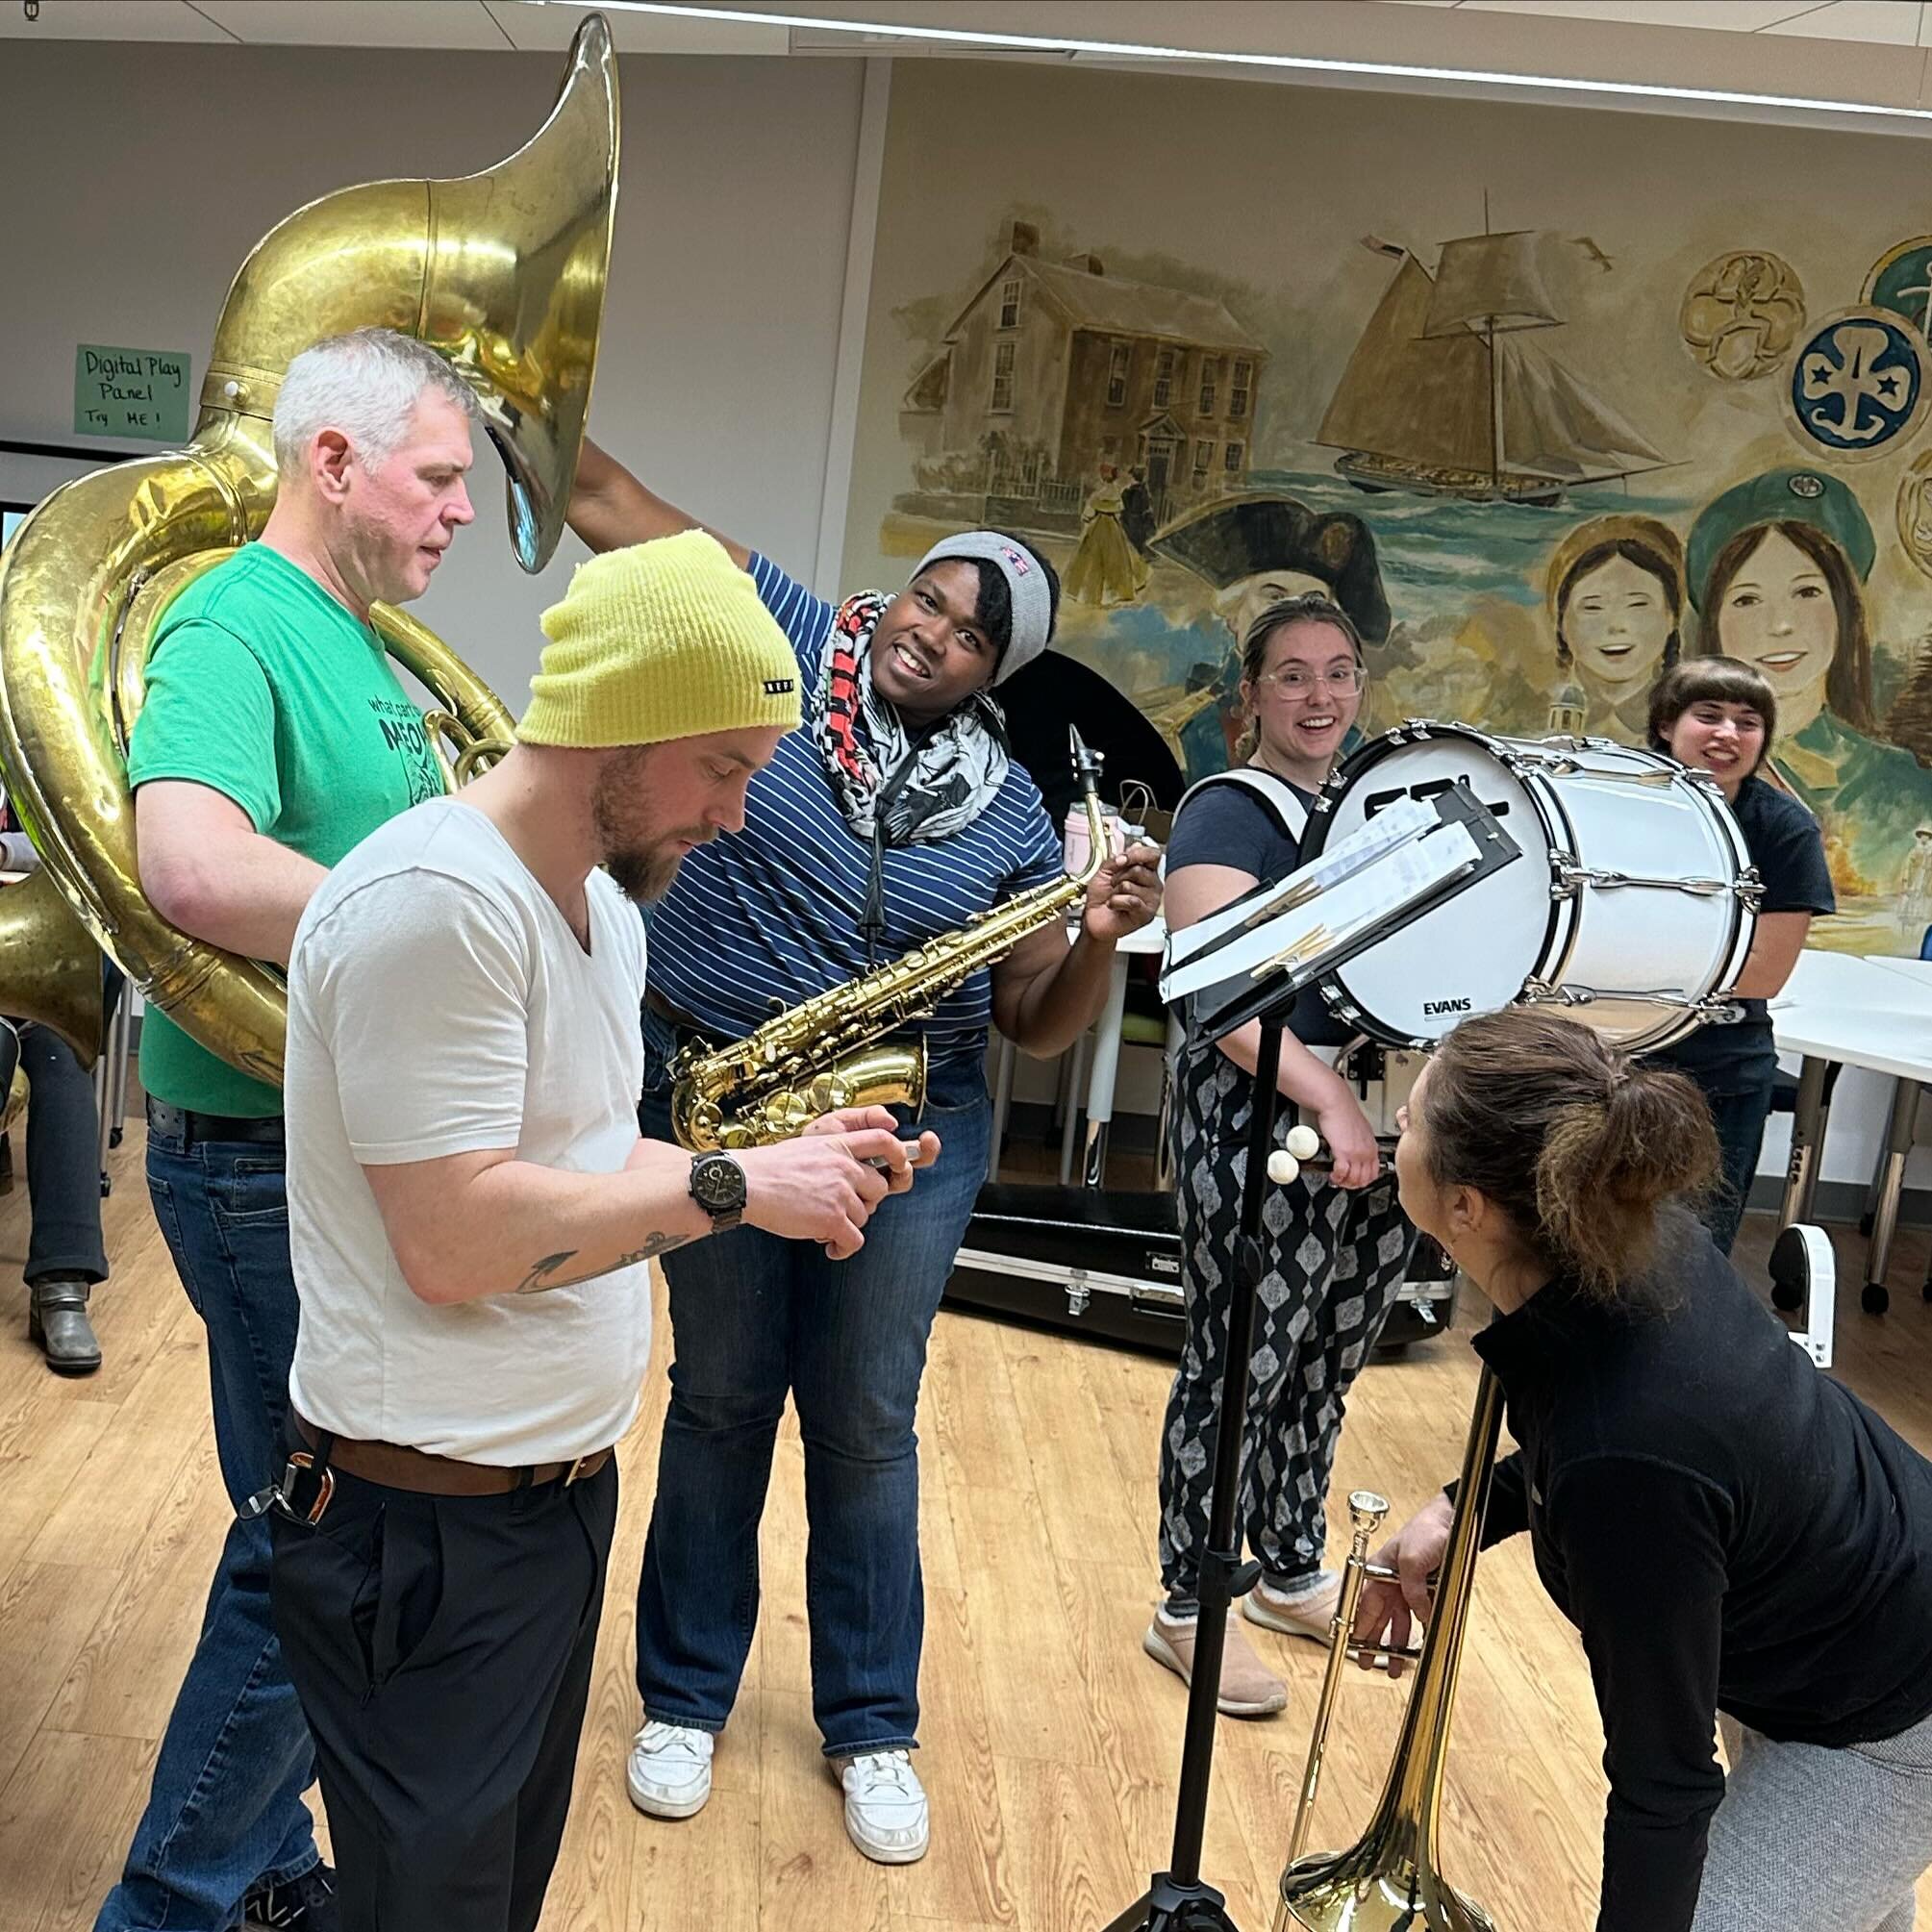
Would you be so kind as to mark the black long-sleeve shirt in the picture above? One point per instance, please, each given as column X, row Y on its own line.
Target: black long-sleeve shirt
column 1728, row 1529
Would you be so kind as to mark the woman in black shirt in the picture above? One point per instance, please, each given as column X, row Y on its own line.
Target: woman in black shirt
column 1738, row 1539
column 1721, row 715
column 1336, row 1245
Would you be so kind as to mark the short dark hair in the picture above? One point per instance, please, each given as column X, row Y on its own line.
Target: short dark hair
column 1712, row 681
column 994, row 607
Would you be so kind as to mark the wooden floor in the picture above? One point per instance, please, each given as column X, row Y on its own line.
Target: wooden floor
column 1051, row 1743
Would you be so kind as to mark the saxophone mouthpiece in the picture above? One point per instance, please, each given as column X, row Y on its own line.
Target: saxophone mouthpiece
column 1087, row 762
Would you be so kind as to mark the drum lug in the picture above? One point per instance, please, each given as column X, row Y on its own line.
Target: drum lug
column 1541, row 992
column 1340, row 1004
column 1567, row 877
column 1715, row 1011
column 1751, row 887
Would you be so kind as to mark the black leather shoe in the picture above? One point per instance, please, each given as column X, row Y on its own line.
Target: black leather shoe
column 305, row 1905
column 58, row 1321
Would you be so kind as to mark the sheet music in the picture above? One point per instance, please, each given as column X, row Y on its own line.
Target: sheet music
column 1397, row 871
column 1406, row 820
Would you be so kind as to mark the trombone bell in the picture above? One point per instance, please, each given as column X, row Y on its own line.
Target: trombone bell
column 1387, row 1881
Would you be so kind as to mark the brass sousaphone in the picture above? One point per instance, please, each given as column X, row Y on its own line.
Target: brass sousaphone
column 501, row 272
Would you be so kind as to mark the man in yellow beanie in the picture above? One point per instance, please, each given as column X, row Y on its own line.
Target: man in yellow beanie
column 472, row 1213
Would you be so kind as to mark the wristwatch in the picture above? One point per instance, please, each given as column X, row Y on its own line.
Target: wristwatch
column 718, row 1186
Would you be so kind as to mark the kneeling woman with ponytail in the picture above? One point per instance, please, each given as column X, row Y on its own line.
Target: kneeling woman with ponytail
column 1739, row 1539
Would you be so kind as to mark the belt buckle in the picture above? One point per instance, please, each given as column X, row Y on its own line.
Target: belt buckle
column 325, row 1489
column 576, row 1469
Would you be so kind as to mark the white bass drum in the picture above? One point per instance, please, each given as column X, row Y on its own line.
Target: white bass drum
column 1632, row 905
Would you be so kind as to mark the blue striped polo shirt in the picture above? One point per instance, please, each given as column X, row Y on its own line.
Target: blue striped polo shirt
column 769, row 917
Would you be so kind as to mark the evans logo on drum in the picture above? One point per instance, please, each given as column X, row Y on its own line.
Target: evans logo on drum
column 1432, row 1006
column 1430, row 788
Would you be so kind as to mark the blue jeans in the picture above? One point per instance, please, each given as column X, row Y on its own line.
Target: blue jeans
column 1739, row 1117
column 755, row 1318
column 225, row 1813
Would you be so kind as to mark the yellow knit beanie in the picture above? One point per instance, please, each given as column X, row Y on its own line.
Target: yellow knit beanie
column 661, row 640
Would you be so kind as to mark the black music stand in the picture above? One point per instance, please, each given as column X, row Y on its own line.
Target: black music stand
column 1178, row 1899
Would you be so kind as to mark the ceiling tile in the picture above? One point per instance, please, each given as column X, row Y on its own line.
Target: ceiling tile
column 109, row 20
column 1891, row 22
column 353, row 23
column 549, row 28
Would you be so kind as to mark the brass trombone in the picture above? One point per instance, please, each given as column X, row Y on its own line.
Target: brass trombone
column 1388, row 1880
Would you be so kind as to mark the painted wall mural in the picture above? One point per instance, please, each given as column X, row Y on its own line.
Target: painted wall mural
column 1544, row 398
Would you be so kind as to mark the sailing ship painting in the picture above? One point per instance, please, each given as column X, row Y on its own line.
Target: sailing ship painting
column 1445, row 396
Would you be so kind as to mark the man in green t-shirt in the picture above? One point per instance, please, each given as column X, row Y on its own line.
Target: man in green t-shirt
column 273, row 739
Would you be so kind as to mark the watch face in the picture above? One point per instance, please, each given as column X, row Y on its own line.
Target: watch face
column 717, row 1182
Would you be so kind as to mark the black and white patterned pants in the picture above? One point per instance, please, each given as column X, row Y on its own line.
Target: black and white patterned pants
column 1334, row 1259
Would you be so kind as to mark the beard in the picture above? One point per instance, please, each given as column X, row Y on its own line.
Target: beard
column 640, row 855
column 642, row 873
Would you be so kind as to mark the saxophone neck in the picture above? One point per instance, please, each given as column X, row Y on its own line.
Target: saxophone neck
column 1087, row 764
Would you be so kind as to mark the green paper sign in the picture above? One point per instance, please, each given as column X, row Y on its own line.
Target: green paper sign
column 139, row 393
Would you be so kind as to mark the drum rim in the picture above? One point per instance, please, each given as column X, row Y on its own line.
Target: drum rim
column 1560, row 929
column 1678, row 1021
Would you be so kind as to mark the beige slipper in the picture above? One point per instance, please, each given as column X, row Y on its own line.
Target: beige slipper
column 1249, row 1689
column 1310, row 1616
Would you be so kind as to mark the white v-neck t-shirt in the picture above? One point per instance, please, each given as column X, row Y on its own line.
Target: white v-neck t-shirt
column 439, row 1003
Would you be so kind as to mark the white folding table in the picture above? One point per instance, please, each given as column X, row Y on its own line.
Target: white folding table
column 1856, row 1013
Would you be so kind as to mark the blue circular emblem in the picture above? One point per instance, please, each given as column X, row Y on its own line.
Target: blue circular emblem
column 1857, row 384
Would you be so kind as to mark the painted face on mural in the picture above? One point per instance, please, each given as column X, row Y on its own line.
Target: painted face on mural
column 1618, row 623
column 1305, row 699
column 1778, row 615
column 1244, row 601
column 1717, row 736
column 930, row 651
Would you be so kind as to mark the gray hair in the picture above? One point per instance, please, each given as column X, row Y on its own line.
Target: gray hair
column 366, row 384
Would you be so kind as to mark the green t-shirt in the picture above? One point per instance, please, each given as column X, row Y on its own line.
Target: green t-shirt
column 263, row 687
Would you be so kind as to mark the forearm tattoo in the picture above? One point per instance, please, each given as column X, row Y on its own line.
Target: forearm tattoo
column 552, row 1271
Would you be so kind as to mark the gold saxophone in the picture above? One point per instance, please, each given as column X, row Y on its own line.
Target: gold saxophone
column 503, row 274
column 831, row 1051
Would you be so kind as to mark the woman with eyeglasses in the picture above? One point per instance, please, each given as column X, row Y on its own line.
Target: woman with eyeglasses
column 1336, row 1258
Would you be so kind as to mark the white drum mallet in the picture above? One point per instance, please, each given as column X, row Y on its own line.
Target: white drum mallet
column 1284, row 1165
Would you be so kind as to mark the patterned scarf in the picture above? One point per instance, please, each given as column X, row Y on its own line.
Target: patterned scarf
column 933, row 786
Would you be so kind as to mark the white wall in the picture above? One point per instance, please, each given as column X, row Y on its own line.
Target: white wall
column 135, row 178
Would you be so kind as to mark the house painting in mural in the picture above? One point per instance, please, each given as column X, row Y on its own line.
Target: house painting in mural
column 1054, row 370
column 1445, row 397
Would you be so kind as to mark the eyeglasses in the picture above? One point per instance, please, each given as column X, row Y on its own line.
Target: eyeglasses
column 1295, row 682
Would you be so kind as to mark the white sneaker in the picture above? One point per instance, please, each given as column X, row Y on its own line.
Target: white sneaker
column 885, row 1813
column 669, row 1771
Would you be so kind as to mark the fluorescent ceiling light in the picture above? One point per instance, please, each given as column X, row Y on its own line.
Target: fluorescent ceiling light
column 1134, row 50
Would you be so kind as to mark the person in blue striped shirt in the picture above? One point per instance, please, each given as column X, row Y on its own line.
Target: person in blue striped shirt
column 893, row 814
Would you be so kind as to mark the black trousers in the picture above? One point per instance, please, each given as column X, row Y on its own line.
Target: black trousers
column 441, row 1648
column 63, row 1164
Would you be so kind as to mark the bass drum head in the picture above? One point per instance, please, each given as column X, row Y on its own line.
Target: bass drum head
column 1473, row 953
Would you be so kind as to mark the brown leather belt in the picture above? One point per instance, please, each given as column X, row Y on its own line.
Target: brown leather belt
column 397, row 1467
